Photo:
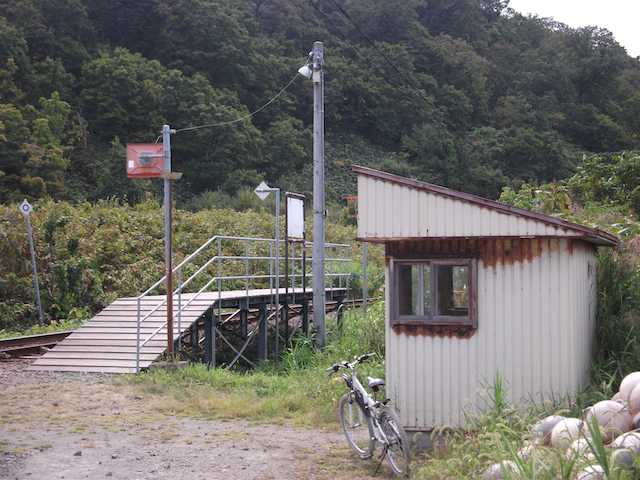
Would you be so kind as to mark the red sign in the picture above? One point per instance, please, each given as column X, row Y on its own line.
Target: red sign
column 145, row 159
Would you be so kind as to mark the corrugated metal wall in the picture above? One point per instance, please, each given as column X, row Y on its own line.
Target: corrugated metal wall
column 391, row 210
column 536, row 322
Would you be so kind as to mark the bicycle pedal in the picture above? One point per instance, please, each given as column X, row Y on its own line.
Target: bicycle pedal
column 366, row 456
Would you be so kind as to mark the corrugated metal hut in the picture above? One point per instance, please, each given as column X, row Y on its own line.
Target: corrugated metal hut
column 475, row 289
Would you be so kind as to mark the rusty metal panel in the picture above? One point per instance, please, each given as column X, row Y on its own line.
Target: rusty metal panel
column 536, row 323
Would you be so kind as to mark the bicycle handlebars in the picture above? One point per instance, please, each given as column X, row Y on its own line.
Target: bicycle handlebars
column 360, row 359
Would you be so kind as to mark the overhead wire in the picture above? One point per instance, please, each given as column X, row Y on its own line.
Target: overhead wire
column 445, row 125
column 230, row 122
column 369, row 61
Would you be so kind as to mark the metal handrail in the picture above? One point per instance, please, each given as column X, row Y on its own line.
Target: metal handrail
column 337, row 266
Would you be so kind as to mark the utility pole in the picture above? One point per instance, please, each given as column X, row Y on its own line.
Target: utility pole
column 166, row 141
column 318, row 260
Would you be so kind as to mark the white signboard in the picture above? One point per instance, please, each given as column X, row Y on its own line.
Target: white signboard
column 295, row 218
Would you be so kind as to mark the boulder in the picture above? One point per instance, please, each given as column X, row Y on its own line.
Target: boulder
column 613, row 418
column 565, row 433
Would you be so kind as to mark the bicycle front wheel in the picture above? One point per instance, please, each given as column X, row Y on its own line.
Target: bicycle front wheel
column 356, row 426
column 398, row 452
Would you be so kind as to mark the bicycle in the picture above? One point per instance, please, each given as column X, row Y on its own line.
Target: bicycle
column 365, row 420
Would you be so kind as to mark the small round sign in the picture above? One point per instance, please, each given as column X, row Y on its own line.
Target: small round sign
column 25, row 207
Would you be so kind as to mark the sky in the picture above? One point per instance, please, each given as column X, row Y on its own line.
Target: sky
column 620, row 17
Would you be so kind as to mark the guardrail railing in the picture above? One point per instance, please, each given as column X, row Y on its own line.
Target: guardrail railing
column 225, row 263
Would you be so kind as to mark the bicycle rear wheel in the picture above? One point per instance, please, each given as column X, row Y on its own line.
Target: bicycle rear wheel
column 356, row 426
column 398, row 452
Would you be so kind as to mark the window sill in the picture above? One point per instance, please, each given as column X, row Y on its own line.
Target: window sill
column 422, row 329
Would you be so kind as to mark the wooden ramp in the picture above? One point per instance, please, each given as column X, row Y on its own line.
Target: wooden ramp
column 107, row 342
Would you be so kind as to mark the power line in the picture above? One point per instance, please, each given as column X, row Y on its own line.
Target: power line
column 241, row 118
column 445, row 125
column 398, row 71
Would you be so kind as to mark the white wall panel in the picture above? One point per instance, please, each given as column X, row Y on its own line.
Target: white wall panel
column 392, row 210
column 529, row 330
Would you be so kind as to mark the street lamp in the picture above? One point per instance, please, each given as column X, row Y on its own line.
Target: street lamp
column 314, row 70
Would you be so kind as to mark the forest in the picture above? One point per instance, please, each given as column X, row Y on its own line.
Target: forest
column 467, row 94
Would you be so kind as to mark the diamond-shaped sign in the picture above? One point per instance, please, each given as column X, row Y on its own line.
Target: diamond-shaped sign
column 25, row 207
column 263, row 190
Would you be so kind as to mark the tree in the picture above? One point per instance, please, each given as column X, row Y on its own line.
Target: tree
column 525, row 155
column 50, row 28
column 433, row 151
column 288, row 146
column 136, row 25
column 110, row 180
column 592, row 130
column 210, row 37
column 597, row 60
column 33, row 148
column 122, row 95
column 463, row 19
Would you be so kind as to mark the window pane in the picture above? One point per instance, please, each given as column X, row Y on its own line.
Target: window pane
column 461, row 289
column 415, row 290
column 453, row 290
column 405, row 288
column 414, row 287
column 426, row 288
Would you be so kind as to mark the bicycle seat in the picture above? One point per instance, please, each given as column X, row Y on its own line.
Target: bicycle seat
column 375, row 382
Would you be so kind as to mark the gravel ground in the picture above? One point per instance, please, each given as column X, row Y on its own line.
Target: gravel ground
column 56, row 425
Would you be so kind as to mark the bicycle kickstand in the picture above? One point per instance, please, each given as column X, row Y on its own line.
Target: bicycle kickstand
column 382, row 455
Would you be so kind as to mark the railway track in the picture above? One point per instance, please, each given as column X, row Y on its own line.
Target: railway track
column 36, row 344
column 31, row 344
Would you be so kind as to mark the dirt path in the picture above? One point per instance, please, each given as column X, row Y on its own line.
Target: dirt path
column 71, row 426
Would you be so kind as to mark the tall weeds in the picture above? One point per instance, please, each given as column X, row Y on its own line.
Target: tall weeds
column 617, row 314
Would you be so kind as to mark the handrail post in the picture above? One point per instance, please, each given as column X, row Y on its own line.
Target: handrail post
column 179, row 307
column 138, row 340
column 246, row 265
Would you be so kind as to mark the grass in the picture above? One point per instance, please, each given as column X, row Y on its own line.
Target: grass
column 54, row 326
column 299, row 392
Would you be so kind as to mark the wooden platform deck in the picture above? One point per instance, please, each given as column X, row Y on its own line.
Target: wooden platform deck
column 107, row 343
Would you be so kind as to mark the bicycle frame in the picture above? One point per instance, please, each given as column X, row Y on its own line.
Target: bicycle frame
column 366, row 420
column 370, row 404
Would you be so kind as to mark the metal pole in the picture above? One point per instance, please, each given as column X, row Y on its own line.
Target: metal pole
column 166, row 141
column 35, row 270
column 364, row 278
column 277, row 190
column 263, row 191
column 318, row 196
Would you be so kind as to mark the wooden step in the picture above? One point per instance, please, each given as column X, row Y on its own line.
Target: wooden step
column 107, row 342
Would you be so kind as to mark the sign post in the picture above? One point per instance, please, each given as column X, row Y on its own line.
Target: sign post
column 25, row 207
column 262, row 191
column 152, row 160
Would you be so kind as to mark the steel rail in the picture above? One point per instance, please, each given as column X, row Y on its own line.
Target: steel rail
column 15, row 345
